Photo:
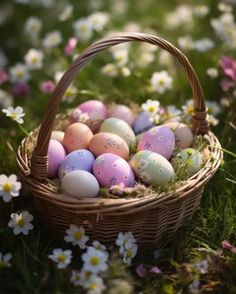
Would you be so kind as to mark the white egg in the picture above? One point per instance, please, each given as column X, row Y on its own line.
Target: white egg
column 80, row 184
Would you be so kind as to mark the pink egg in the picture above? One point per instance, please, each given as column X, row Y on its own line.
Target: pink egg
column 56, row 154
column 122, row 112
column 158, row 139
column 91, row 112
column 110, row 169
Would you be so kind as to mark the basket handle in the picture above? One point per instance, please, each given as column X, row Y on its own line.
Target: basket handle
column 39, row 158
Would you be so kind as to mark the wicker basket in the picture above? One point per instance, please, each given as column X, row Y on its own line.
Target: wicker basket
column 152, row 218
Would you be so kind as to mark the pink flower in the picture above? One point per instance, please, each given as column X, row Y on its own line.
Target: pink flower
column 70, row 46
column 47, row 87
column 227, row 84
column 3, row 76
column 233, row 249
column 155, row 270
column 228, row 65
column 21, row 89
column 226, row 245
column 141, row 270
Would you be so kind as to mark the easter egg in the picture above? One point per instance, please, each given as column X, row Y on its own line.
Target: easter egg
column 77, row 136
column 80, row 159
column 183, row 134
column 142, row 123
column 152, row 168
column 56, row 154
column 57, row 135
column 80, row 184
column 120, row 128
column 158, row 139
column 91, row 112
column 187, row 162
column 122, row 112
column 111, row 169
column 108, row 143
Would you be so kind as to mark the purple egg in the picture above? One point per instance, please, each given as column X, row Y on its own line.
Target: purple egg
column 158, row 139
column 80, row 159
column 142, row 122
column 56, row 155
column 110, row 169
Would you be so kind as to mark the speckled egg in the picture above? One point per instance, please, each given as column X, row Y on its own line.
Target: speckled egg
column 80, row 159
column 123, row 112
column 142, row 123
column 77, row 136
column 57, row 135
column 188, row 162
column 91, row 112
column 80, row 184
column 56, row 155
column 120, row 128
column 152, row 168
column 111, row 169
column 183, row 134
column 108, row 143
column 158, row 139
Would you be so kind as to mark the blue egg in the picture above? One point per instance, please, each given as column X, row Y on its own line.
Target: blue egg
column 80, row 159
column 142, row 123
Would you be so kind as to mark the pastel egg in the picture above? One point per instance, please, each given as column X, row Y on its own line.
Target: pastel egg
column 57, row 135
column 111, row 169
column 183, row 134
column 108, row 143
column 56, row 154
column 95, row 112
column 158, row 139
column 77, row 136
column 80, row 184
column 187, row 162
column 120, row 128
column 142, row 123
column 123, row 112
column 80, row 159
column 152, row 168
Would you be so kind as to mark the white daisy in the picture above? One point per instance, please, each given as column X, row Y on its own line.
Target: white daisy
column 145, row 177
column 21, row 223
column 97, row 245
column 200, row 10
column 83, row 29
column 76, row 235
column 110, row 70
column 95, row 260
column 143, row 163
column 123, row 239
column 125, row 71
column 4, row 260
column 188, row 108
column 15, row 113
column 33, row 26
column 213, row 107
column 99, row 20
column 145, row 58
column 203, row 45
column 9, row 187
column 52, row 39
column 5, row 99
column 95, row 285
column 161, row 81
column 120, row 57
column 186, row 42
column 212, row 120
column 212, row 72
column 19, row 73
column 34, row 58
column 66, row 12
column 151, row 106
column 80, row 278
column 129, row 253
column 62, row 258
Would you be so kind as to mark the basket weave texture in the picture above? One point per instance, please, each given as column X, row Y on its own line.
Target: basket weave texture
column 152, row 218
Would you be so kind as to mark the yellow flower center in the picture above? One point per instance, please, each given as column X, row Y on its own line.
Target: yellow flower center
column 151, row 108
column 7, row 187
column 161, row 82
column 61, row 258
column 93, row 286
column 78, row 235
column 95, row 260
column 20, row 74
column 190, row 109
column 34, row 60
column 21, row 222
column 128, row 253
column 13, row 115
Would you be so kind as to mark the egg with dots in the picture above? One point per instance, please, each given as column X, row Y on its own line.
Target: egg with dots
column 56, row 155
column 80, row 184
column 159, row 139
column 77, row 136
column 143, row 122
column 80, row 159
column 91, row 112
column 123, row 112
column 108, row 143
column 152, row 168
column 119, row 127
column 57, row 135
column 111, row 169
column 183, row 134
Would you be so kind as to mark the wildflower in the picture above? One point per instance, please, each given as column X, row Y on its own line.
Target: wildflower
column 33, row 26
column 66, row 12
column 188, row 108
column 203, row 45
column 172, row 113
column 97, row 245
column 194, row 287
column 120, row 57
column 84, row 117
column 47, row 87
column 70, row 93
column 182, row 15
column 141, row 270
column 62, row 258
column 52, row 39
column 212, row 120
column 213, row 107
column 20, row 89
column 226, row 245
column 186, row 42
column 129, row 253
column 212, row 72
column 3, row 76
column 4, row 260
column 151, row 106
column 233, row 249
column 145, row 58
column 80, row 278
column 76, row 235
column 95, row 285
column 21, row 223
column 15, row 113
column 99, row 20
column 117, row 189
column 95, row 260
column 110, row 70
column 70, row 46
column 5, row 99
column 228, row 66
column 83, row 29
column 202, row 266
column 123, row 240
column 161, row 81
column 200, row 10
column 34, row 58
column 9, row 187
column 19, row 73
column 125, row 71
column 155, row 270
